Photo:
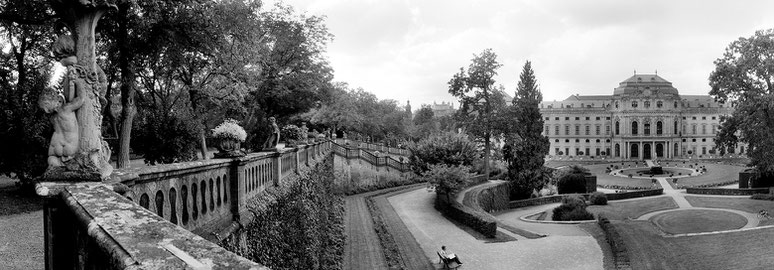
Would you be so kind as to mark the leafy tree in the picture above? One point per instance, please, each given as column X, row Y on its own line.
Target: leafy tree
column 525, row 147
column 24, row 129
column 744, row 77
column 445, row 148
column 425, row 123
column 481, row 103
column 447, row 179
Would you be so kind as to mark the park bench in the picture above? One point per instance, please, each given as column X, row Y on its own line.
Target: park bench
column 447, row 264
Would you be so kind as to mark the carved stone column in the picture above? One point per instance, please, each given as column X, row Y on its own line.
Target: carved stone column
column 92, row 161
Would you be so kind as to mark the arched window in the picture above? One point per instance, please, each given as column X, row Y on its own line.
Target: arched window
column 646, row 128
column 617, row 128
column 675, row 130
column 634, row 128
column 659, row 128
column 647, row 104
column 634, row 104
column 659, row 104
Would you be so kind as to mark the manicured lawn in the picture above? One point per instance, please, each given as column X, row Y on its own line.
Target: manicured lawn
column 696, row 221
column 736, row 250
column 741, row 204
column 608, row 180
column 716, row 173
column 632, row 209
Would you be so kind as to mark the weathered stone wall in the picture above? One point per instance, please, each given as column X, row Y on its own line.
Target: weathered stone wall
column 356, row 175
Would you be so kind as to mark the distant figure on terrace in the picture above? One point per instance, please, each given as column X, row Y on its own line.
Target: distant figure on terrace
column 448, row 255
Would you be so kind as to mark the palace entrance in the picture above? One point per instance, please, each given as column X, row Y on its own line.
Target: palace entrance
column 646, row 151
column 659, row 150
column 635, row 151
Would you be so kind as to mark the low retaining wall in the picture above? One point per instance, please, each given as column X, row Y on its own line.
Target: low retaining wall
column 727, row 191
column 476, row 220
column 634, row 194
column 610, row 197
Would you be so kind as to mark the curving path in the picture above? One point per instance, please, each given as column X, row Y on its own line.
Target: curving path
column 431, row 230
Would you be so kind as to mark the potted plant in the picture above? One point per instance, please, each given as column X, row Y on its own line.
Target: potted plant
column 230, row 135
column 292, row 135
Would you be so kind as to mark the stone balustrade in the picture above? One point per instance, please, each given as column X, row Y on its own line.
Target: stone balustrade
column 170, row 216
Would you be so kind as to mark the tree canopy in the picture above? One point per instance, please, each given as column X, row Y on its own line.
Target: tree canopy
column 744, row 78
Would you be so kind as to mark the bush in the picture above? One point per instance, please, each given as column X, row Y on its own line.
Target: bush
column 764, row 197
column 447, row 148
column 572, row 183
column 166, row 137
column 291, row 132
column 598, row 198
column 573, row 207
column 447, row 179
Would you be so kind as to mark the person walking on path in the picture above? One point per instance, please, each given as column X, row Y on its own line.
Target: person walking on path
column 449, row 255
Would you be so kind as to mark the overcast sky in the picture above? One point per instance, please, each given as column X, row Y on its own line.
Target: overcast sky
column 408, row 50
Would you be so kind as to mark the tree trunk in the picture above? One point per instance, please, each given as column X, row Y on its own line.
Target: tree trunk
column 487, row 145
column 203, row 143
column 127, row 90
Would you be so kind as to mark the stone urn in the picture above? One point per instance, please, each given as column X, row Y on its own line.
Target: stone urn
column 229, row 147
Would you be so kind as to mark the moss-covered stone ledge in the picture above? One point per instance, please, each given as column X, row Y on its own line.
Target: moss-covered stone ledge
column 89, row 225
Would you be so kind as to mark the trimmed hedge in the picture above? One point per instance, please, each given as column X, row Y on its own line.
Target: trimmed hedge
column 617, row 244
column 465, row 215
column 727, row 191
column 634, row 194
column 573, row 208
column 572, row 183
column 598, row 198
column 764, row 197
column 610, row 197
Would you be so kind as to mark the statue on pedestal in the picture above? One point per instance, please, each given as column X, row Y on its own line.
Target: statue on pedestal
column 77, row 151
column 273, row 140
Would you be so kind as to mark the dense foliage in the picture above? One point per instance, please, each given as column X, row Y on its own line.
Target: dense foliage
column 445, row 148
column 445, row 179
column 572, row 179
column 166, row 137
column 525, row 145
column 301, row 224
column 744, row 78
column 573, row 207
column 24, row 72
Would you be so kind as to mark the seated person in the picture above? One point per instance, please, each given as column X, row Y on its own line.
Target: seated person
column 447, row 255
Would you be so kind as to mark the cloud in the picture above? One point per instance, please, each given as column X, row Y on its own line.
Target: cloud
column 402, row 49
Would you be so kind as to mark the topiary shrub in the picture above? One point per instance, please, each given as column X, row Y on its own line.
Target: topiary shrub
column 573, row 207
column 572, row 183
column 598, row 198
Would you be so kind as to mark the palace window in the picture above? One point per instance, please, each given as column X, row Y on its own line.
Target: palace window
column 659, row 128
column 577, row 129
column 634, row 128
column 659, row 104
column 587, row 118
column 675, row 104
column 634, row 104
column 566, row 129
column 694, row 128
column 714, row 129
column 556, row 129
column 548, row 129
column 647, row 104
column 588, row 130
column 616, row 104
column 675, row 130
column 617, row 128
column 607, row 130
column 598, row 130
column 646, row 128
column 703, row 129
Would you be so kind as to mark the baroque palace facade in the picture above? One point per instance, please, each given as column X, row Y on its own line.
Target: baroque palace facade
column 645, row 118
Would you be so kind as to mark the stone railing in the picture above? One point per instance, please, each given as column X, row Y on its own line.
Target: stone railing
column 380, row 161
column 373, row 147
column 130, row 221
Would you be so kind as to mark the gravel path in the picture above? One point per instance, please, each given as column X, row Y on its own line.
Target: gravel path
column 362, row 250
column 21, row 241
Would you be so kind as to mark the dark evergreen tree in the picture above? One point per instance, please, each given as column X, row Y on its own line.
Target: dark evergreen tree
column 525, row 147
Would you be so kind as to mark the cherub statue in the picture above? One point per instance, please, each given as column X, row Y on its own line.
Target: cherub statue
column 64, row 141
column 273, row 140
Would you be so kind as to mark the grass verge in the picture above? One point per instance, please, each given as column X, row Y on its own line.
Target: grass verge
column 632, row 209
column 741, row 204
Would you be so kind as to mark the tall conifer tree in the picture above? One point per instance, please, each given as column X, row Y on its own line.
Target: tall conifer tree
column 526, row 146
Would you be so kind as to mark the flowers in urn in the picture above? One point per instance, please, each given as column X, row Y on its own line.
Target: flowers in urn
column 230, row 135
column 292, row 134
